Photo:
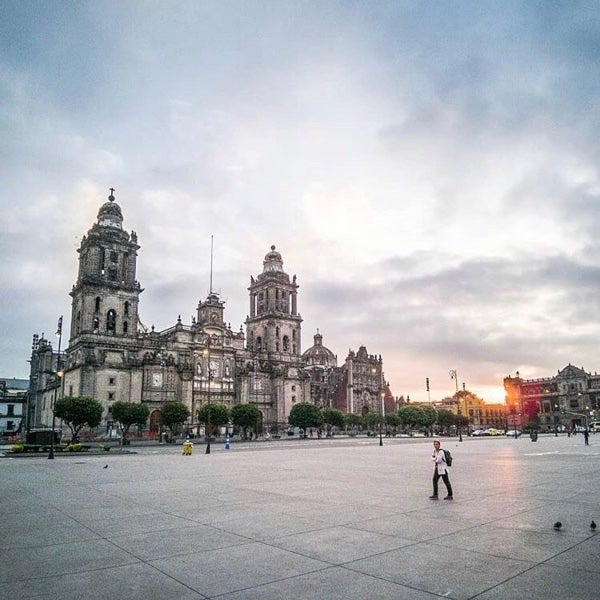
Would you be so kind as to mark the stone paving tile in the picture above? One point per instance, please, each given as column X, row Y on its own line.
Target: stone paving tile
column 166, row 543
column 414, row 526
column 236, row 568
column 268, row 526
column 49, row 528
column 73, row 557
column 545, row 582
column 584, row 556
column 131, row 582
column 334, row 583
column 137, row 523
column 537, row 546
column 452, row 573
column 341, row 544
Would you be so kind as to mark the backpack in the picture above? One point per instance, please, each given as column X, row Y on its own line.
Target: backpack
column 448, row 457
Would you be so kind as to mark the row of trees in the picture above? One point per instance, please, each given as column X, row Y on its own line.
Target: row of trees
column 306, row 415
column 77, row 412
column 81, row 411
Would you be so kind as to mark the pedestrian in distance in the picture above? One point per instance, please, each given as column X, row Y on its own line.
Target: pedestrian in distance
column 440, row 469
column 586, row 436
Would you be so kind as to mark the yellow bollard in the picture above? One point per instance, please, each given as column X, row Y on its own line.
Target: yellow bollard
column 187, row 448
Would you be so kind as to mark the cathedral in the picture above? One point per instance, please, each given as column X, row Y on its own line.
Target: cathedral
column 111, row 356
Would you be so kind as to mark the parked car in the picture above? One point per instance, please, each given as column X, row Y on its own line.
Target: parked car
column 477, row 432
column 492, row 431
column 594, row 426
column 513, row 433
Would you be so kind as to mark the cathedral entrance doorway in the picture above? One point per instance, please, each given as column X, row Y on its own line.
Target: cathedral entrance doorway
column 155, row 421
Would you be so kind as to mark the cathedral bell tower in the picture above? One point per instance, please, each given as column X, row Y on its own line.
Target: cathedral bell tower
column 274, row 324
column 106, row 294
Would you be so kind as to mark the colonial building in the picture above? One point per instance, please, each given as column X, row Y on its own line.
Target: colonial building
column 361, row 386
column 13, row 401
column 571, row 397
column 112, row 356
column 321, row 364
column 480, row 414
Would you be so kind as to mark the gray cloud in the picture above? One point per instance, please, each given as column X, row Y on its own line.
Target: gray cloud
column 428, row 170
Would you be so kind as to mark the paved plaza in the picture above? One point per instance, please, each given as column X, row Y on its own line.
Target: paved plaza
column 305, row 519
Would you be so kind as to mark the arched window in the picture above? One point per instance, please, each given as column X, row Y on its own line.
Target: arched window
column 125, row 326
column 259, row 343
column 111, row 320
column 96, row 324
column 98, row 301
column 126, row 309
column 286, row 343
column 276, row 332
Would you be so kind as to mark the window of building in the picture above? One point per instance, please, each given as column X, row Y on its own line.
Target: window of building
column 10, row 425
column 126, row 309
column 286, row 343
column 111, row 381
column 111, row 396
column 125, row 326
column 293, row 399
column 111, row 321
column 96, row 324
column 293, row 388
column 97, row 306
column 114, row 257
column 11, row 410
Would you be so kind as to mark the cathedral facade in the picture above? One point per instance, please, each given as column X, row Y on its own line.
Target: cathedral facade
column 112, row 357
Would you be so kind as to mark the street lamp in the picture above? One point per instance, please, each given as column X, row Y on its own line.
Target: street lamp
column 381, row 417
column 60, row 374
column 209, row 375
column 454, row 375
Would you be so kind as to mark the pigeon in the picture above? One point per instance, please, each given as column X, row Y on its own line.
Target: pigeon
column 105, row 467
column 557, row 525
column 593, row 525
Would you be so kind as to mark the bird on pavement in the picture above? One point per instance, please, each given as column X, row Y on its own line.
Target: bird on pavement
column 557, row 525
column 593, row 526
column 105, row 467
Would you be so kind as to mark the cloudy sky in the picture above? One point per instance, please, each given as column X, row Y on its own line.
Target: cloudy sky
column 429, row 170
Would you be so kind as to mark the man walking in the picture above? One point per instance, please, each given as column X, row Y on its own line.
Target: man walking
column 440, row 469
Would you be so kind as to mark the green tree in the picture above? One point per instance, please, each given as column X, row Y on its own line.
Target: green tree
column 174, row 415
column 352, row 420
column 429, row 416
column 78, row 412
column 245, row 416
column 445, row 419
column 128, row 414
column 392, row 421
column 372, row 420
column 216, row 415
column 333, row 417
column 305, row 415
column 410, row 416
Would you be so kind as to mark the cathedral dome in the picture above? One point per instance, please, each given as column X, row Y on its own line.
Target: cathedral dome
column 273, row 262
column 110, row 214
column 319, row 354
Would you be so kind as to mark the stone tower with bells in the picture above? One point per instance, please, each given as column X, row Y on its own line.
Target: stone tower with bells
column 274, row 344
column 104, row 308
